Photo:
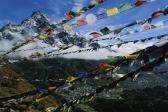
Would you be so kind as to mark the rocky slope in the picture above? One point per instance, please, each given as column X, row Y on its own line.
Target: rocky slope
column 12, row 83
column 41, row 71
column 143, row 100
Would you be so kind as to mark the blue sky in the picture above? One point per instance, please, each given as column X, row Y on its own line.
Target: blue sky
column 15, row 11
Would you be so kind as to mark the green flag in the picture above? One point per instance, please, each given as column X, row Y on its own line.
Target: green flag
column 114, row 60
column 105, row 30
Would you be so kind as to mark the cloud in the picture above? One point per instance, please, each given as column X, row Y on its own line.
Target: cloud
column 91, row 18
column 60, row 7
column 78, row 4
column 28, row 52
column 5, row 45
column 103, row 53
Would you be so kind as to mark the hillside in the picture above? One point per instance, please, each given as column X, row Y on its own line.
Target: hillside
column 12, row 83
column 41, row 71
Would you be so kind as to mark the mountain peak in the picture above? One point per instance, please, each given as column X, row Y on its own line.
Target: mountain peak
column 8, row 26
column 39, row 15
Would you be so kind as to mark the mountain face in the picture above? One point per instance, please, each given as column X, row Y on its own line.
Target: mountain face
column 31, row 27
column 45, row 32
column 28, row 28
column 143, row 100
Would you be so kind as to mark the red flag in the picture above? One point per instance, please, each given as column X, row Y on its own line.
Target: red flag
column 96, row 34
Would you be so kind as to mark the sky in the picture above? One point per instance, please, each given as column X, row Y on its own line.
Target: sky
column 15, row 11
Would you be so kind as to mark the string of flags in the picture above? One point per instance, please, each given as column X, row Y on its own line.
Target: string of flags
column 154, row 15
column 110, row 38
column 18, row 46
column 59, row 49
column 110, row 45
column 71, row 79
column 112, row 85
column 109, row 86
column 50, row 35
column 106, row 30
column 101, row 68
column 113, row 62
column 101, row 14
column 36, row 48
column 82, row 50
column 116, row 61
column 49, row 39
column 132, row 74
column 72, row 14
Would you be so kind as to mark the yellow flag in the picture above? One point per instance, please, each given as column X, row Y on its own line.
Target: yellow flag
column 70, row 79
column 135, row 56
column 112, row 11
column 94, row 2
column 50, row 109
column 110, row 68
column 92, row 98
column 66, row 27
column 43, row 36
column 40, row 99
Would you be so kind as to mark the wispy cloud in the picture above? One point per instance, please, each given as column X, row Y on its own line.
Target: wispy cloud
column 78, row 4
column 60, row 7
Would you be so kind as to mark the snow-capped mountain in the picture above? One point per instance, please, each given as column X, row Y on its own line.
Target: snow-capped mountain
column 27, row 28
column 12, row 35
column 69, row 44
